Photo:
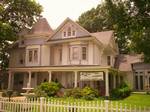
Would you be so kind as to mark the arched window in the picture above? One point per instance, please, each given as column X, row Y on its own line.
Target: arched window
column 69, row 31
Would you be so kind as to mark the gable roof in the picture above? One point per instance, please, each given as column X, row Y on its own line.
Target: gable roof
column 63, row 23
column 104, row 37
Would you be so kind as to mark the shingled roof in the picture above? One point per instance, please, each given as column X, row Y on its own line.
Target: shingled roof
column 104, row 37
column 126, row 61
column 41, row 27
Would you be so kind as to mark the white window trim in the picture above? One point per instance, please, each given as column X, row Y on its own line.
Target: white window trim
column 33, row 60
column 80, row 58
column 72, row 29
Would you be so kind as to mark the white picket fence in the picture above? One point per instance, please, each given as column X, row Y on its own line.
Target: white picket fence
column 47, row 105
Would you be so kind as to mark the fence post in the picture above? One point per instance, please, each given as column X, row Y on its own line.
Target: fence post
column 106, row 105
column 41, row 104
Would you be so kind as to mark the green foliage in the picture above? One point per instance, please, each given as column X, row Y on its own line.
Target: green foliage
column 75, row 93
column 121, row 92
column 15, row 15
column 129, row 19
column 47, row 89
column 89, row 93
column 86, row 93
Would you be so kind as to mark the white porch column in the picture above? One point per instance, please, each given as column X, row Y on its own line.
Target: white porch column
column 114, row 81
column 50, row 76
column 29, row 81
column 9, row 80
column 106, row 83
column 75, row 78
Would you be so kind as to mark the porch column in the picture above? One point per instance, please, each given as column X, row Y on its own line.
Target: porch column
column 9, row 80
column 50, row 76
column 106, row 83
column 114, row 81
column 29, row 81
column 75, row 78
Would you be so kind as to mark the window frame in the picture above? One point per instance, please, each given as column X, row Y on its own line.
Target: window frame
column 69, row 32
column 34, row 58
column 85, row 54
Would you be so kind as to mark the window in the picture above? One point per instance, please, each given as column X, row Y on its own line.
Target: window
column 108, row 60
column 84, row 53
column 75, row 53
column 69, row 32
column 64, row 34
column 30, row 56
column 33, row 55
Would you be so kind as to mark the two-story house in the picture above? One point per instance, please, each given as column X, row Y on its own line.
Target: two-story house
column 69, row 55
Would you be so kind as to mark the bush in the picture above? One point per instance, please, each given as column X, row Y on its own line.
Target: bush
column 121, row 92
column 86, row 93
column 89, row 93
column 47, row 89
column 75, row 93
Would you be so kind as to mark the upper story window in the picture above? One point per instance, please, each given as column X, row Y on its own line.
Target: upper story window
column 75, row 53
column 69, row 32
column 33, row 55
column 109, row 60
column 78, row 52
column 84, row 53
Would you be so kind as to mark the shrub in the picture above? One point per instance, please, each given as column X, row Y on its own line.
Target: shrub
column 89, row 93
column 47, row 89
column 75, row 93
column 121, row 92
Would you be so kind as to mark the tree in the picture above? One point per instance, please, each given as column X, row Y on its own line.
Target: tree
column 130, row 19
column 108, row 16
column 15, row 15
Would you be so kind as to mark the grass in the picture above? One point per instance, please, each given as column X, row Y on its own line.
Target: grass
column 137, row 99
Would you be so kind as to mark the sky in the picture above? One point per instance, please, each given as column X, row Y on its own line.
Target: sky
column 56, row 11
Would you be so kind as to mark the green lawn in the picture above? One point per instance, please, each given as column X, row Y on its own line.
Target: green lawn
column 134, row 99
column 137, row 99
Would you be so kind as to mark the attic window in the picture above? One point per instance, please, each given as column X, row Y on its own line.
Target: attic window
column 69, row 32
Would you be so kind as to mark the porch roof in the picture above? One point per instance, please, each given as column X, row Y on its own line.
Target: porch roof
column 61, row 68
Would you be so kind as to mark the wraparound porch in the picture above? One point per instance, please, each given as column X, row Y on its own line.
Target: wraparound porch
column 68, row 76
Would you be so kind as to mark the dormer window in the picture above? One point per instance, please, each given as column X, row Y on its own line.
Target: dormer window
column 69, row 32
